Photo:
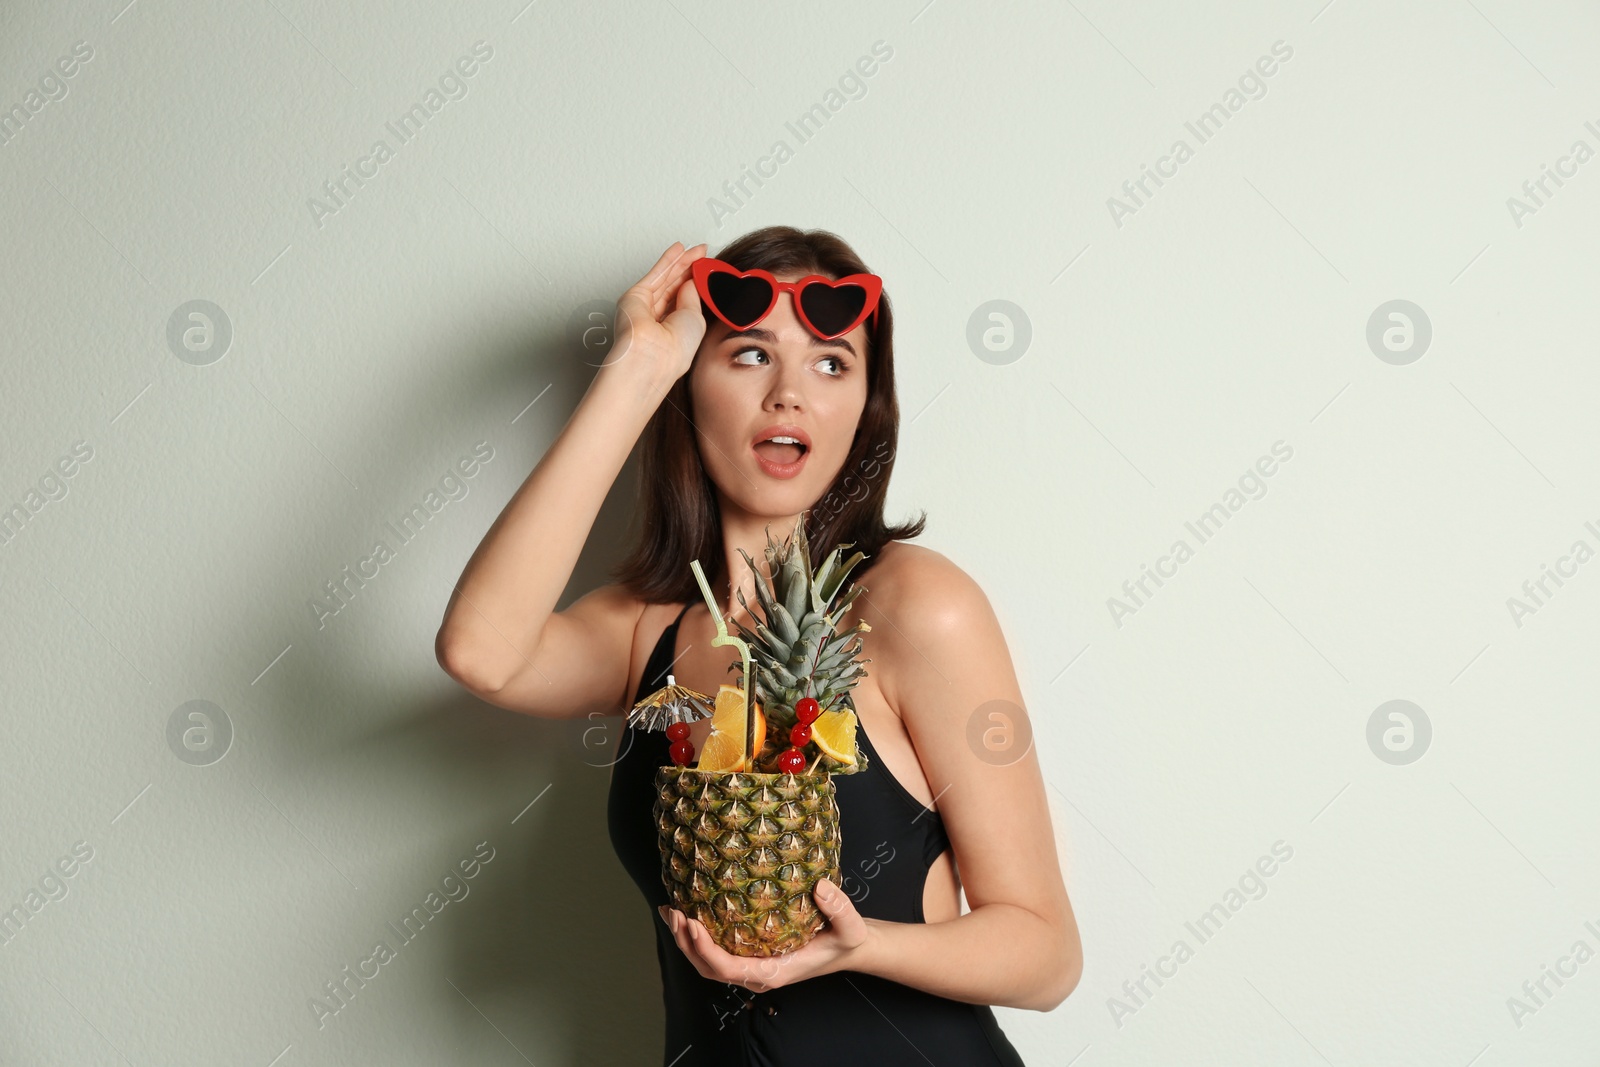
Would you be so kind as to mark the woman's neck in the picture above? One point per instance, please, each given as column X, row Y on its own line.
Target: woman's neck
column 748, row 532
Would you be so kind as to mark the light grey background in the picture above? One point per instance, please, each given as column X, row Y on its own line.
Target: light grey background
column 1169, row 352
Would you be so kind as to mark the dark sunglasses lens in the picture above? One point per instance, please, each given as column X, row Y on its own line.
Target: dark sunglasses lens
column 833, row 308
column 741, row 300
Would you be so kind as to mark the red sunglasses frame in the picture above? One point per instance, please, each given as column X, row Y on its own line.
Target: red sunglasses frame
column 705, row 266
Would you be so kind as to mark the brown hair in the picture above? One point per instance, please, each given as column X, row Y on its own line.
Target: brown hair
column 676, row 519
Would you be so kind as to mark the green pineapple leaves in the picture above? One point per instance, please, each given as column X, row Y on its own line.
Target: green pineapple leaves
column 796, row 651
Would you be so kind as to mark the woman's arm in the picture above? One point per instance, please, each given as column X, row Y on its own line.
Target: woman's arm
column 499, row 628
column 942, row 658
column 943, row 664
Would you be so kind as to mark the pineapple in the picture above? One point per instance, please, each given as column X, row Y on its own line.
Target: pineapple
column 797, row 653
column 743, row 849
column 742, row 852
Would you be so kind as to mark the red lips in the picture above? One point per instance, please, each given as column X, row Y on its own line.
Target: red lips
column 781, row 459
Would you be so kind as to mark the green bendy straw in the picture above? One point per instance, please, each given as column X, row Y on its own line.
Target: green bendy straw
column 725, row 638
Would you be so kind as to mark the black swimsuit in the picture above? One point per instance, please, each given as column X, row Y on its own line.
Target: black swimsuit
column 889, row 840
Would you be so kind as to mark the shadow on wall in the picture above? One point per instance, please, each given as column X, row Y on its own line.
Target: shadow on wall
column 553, row 933
column 552, row 944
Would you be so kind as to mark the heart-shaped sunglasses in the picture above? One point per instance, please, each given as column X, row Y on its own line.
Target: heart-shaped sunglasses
column 828, row 308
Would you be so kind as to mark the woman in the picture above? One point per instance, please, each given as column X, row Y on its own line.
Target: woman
column 899, row 974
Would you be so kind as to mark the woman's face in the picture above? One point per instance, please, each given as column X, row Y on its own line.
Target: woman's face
column 777, row 373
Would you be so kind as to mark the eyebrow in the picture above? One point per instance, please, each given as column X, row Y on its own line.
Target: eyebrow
column 761, row 333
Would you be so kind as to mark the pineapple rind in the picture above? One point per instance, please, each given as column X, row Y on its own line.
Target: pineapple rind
column 742, row 852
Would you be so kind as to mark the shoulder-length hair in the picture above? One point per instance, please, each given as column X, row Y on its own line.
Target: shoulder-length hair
column 677, row 519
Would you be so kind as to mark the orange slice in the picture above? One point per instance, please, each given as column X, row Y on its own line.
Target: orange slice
column 724, row 746
column 835, row 734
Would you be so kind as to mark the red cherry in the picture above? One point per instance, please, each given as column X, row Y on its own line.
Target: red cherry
column 677, row 731
column 807, row 709
column 799, row 734
column 791, row 761
column 682, row 752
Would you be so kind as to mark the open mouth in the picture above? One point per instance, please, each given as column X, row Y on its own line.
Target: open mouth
column 781, row 451
column 782, row 454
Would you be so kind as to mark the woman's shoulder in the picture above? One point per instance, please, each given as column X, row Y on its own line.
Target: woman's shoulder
column 924, row 609
column 916, row 586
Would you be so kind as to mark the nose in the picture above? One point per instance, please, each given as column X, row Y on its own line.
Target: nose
column 786, row 392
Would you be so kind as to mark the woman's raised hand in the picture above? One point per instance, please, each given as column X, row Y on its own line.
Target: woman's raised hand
column 659, row 322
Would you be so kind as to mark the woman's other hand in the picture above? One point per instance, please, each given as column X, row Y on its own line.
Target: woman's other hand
column 830, row 950
column 659, row 323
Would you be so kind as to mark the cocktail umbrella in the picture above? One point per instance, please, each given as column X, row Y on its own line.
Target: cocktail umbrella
column 669, row 704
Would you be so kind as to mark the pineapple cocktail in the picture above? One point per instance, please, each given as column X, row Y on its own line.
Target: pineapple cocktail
column 748, row 832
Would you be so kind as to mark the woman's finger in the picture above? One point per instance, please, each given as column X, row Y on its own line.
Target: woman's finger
column 679, row 924
column 708, row 957
column 662, row 265
column 660, row 283
column 703, row 949
column 688, row 297
column 758, row 974
column 675, row 921
column 712, row 961
column 685, row 321
column 657, row 277
column 643, row 297
column 666, row 294
column 847, row 924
